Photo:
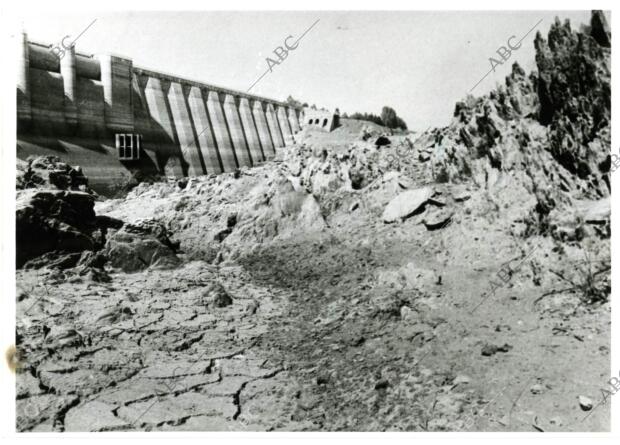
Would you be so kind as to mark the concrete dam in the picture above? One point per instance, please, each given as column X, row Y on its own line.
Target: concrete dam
column 118, row 121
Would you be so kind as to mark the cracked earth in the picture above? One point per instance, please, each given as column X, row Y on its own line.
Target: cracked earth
column 378, row 331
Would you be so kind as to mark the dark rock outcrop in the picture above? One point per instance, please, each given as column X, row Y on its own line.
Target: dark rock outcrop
column 56, row 226
column 574, row 88
column 563, row 109
column 50, row 172
column 54, row 221
column 600, row 30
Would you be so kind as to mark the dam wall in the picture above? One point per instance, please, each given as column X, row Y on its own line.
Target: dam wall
column 73, row 105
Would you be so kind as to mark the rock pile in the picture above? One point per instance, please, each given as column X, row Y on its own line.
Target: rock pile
column 144, row 244
column 56, row 226
column 55, row 221
column 548, row 131
column 50, row 171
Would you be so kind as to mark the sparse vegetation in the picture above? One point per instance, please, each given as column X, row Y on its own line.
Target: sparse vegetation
column 589, row 280
column 388, row 118
column 367, row 117
column 391, row 120
column 295, row 103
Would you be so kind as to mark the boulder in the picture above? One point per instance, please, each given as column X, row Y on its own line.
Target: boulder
column 406, row 204
column 382, row 141
column 53, row 220
column 215, row 295
column 49, row 172
column 585, row 403
column 26, row 177
column 424, row 156
column 490, row 349
column 599, row 29
column 141, row 245
column 437, row 219
column 462, row 196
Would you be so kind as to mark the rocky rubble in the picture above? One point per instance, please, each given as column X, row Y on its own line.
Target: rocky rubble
column 55, row 221
column 547, row 133
column 574, row 89
column 50, row 171
column 56, row 226
column 406, row 204
column 138, row 246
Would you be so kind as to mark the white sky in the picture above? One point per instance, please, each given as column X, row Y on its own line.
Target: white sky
column 419, row 63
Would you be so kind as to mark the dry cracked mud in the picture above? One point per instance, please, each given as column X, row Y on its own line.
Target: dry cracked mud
column 320, row 334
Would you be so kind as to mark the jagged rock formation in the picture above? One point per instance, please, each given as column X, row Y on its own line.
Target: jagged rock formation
column 56, row 224
column 56, row 221
column 50, row 171
column 574, row 89
column 549, row 131
column 570, row 95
